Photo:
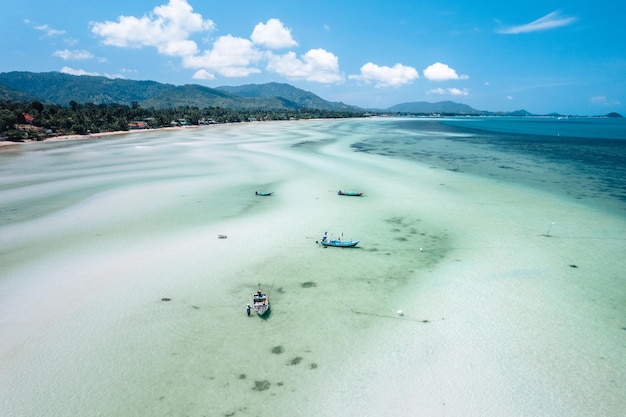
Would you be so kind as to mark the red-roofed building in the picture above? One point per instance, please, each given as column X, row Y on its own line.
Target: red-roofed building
column 28, row 118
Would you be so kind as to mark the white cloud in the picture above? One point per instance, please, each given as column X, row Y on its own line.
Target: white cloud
column 458, row 91
column 167, row 28
column 604, row 101
column 48, row 31
column 383, row 76
column 449, row 91
column 72, row 71
column 273, row 35
column 550, row 21
column 442, row 72
column 230, row 57
column 203, row 75
column 77, row 55
column 316, row 65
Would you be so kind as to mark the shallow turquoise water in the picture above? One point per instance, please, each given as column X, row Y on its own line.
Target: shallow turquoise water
column 118, row 297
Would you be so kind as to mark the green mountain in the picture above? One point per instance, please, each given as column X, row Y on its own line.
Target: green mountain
column 9, row 94
column 448, row 107
column 301, row 98
column 59, row 88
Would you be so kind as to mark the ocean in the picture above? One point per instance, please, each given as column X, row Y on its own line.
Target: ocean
column 488, row 280
column 581, row 158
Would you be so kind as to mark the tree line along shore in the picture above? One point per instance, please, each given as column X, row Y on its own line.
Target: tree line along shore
column 37, row 121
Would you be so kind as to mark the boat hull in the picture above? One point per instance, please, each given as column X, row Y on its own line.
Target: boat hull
column 260, row 303
column 350, row 193
column 340, row 243
column 261, row 309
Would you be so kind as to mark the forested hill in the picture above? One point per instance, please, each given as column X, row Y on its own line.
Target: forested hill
column 287, row 92
column 449, row 107
column 59, row 88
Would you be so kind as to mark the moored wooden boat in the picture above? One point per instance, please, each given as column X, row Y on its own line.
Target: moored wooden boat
column 340, row 243
column 350, row 193
column 337, row 243
column 260, row 302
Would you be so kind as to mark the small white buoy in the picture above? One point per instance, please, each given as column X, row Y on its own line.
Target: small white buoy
column 421, row 249
column 400, row 313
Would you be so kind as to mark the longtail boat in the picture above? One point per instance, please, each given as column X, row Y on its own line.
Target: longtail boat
column 350, row 193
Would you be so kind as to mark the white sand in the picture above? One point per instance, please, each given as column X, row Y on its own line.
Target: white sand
column 496, row 320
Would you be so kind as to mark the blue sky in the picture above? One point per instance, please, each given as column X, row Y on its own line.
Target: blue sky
column 541, row 56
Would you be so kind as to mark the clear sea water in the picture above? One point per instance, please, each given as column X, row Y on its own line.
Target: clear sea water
column 117, row 298
column 583, row 158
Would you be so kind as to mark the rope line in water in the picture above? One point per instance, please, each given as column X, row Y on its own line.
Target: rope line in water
column 383, row 316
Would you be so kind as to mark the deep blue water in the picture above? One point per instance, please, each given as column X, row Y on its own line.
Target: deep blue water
column 581, row 158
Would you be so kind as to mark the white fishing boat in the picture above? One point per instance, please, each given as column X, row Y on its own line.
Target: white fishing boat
column 260, row 302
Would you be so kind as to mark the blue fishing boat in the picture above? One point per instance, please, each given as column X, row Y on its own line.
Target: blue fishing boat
column 350, row 193
column 264, row 193
column 340, row 243
column 337, row 243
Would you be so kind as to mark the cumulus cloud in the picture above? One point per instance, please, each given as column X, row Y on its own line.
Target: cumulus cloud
column 383, row 76
column 273, row 35
column 230, row 57
column 72, row 71
column 316, row 65
column 442, row 72
column 203, row 75
column 167, row 28
column 449, row 91
column 550, row 21
column 76, row 55
column 458, row 91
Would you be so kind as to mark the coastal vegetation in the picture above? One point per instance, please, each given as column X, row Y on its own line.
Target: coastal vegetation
column 37, row 121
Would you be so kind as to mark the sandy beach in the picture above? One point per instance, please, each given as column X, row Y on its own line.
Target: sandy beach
column 99, row 135
column 467, row 296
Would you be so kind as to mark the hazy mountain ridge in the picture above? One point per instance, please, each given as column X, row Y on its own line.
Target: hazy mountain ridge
column 439, row 107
